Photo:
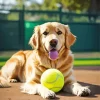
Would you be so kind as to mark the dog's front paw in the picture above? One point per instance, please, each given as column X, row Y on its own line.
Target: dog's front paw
column 38, row 89
column 12, row 80
column 28, row 88
column 46, row 93
column 83, row 91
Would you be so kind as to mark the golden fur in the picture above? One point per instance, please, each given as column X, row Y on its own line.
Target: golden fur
column 28, row 66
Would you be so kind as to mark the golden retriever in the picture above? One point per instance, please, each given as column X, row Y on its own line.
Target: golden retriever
column 51, row 42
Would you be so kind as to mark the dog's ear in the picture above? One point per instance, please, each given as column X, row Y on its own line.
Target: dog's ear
column 69, row 37
column 34, row 40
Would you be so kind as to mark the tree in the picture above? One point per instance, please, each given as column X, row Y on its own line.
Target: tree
column 19, row 4
column 94, row 6
column 69, row 5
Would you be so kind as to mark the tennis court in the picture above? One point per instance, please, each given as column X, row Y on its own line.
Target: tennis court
column 86, row 77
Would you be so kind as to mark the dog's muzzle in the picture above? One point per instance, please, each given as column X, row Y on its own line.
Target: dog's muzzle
column 53, row 43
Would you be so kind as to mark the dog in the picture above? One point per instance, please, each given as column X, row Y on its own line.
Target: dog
column 51, row 42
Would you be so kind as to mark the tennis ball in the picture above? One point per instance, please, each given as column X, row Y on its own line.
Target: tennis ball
column 53, row 79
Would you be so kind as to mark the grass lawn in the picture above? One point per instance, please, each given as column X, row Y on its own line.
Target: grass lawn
column 87, row 62
column 2, row 63
column 77, row 62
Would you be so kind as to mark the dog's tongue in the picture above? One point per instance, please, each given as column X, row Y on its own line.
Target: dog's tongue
column 53, row 54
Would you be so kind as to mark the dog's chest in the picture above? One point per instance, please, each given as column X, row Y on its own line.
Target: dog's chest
column 63, row 64
column 60, row 64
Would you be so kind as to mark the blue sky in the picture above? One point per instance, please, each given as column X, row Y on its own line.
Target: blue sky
column 39, row 1
column 14, row 1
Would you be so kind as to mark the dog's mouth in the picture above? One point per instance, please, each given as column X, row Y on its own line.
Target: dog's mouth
column 53, row 54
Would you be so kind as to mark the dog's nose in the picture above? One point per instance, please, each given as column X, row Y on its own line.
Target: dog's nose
column 53, row 42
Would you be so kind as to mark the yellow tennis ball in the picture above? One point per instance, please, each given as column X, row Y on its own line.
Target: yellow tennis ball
column 53, row 79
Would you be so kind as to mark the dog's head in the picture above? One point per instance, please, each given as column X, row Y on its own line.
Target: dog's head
column 52, row 37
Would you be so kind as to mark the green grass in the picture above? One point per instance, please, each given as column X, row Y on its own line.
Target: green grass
column 87, row 62
column 1, row 64
column 77, row 62
column 4, row 58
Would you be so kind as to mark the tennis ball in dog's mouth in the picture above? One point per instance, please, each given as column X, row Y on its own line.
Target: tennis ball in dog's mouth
column 53, row 79
column 53, row 54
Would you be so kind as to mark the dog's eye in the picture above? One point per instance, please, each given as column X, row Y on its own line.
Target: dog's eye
column 59, row 32
column 45, row 33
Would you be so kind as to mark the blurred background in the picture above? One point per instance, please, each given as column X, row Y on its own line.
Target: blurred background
column 19, row 17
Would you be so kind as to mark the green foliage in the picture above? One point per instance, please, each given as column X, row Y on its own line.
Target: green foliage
column 70, row 5
column 19, row 4
column 77, row 6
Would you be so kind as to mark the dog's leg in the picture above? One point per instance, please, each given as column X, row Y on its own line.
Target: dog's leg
column 4, row 83
column 75, row 88
column 11, row 69
column 9, row 72
column 34, row 88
